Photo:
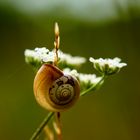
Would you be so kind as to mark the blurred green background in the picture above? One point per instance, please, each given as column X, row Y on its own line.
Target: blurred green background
column 97, row 28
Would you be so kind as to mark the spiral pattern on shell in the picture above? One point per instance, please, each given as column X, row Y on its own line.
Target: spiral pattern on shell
column 62, row 90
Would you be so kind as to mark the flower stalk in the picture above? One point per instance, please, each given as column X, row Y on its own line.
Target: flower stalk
column 42, row 125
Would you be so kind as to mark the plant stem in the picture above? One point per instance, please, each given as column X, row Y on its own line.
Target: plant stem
column 49, row 133
column 42, row 125
column 50, row 115
column 57, row 126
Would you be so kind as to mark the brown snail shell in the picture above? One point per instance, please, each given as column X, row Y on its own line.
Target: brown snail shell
column 55, row 91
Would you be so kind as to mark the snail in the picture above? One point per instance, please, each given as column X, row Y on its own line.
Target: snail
column 54, row 90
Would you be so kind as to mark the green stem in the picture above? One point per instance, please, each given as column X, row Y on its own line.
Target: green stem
column 50, row 115
column 42, row 125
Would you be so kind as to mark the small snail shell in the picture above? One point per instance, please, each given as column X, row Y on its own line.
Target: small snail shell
column 53, row 90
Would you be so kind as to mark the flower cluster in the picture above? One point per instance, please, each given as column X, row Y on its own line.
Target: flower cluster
column 42, row 55
column 67, row 60
column 39, row 54
column 107, row 66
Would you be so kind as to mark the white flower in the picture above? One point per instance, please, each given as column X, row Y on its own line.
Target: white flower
column 42, row 50
column 107, row 66
column 31, row 54
column 70, row 60
column 89, row 78
column 86, row 79
column 40, row 54
column 49, row 57
column 71, row 72
column 45, row 55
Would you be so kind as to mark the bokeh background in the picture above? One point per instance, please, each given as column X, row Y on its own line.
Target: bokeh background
column 97, row 28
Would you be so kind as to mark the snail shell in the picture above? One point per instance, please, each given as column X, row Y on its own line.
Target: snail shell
column 55, row 91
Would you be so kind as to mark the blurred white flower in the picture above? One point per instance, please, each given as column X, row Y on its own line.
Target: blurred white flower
column 71, row 72
column 31, row 54
column 40, row 54
column 45, row 55
column 107, row 66
column 68, row 60
column 42, row 50
column 89, row 78
column 85, row 79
